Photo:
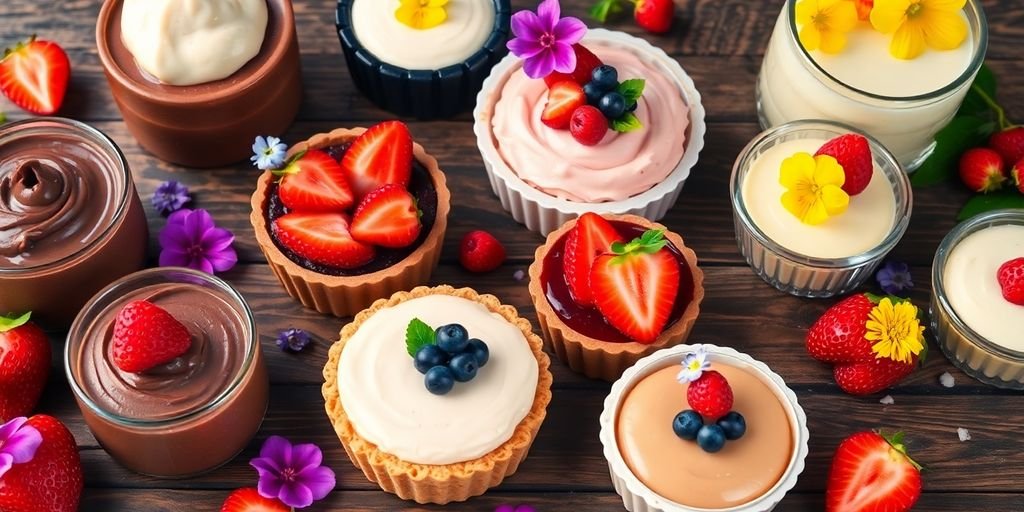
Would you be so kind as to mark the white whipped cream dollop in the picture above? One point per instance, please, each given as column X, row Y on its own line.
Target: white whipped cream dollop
column 388, row 405
column 189, row 42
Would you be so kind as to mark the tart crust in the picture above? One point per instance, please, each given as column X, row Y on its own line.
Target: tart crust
column 346, row 295
column 595, row 358
column 438, row 484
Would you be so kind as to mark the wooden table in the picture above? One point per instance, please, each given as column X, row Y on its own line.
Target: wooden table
column 720, row 44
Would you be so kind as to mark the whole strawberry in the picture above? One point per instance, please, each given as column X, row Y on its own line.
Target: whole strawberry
column 853, row 152
column 871, row 472
column 481, row 252
column 1008, row 143
column 1017, row 176
column 710, row 395
column 24, row 366
column 981, row 169
column 654, row 16
column 146, row 336
column 1011, row 280
column 48, row 480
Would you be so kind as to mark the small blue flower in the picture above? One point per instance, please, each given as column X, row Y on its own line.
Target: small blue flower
column 169, row 197
column 894, row 277
column 293, row 340
column 268, row 152
column 694, row 364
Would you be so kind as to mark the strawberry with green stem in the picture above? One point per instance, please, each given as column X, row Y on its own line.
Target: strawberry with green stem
column 654, row 16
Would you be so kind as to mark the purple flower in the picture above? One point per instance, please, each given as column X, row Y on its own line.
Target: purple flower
column 169, row 197
column 514, row 508
column 191, row 239
column 544, row 40
column 292, row 474
column 18, row 443
column 894, row 277
column 293, row 340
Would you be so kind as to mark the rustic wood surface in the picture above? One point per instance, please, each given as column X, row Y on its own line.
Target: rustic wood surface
column 720, row 44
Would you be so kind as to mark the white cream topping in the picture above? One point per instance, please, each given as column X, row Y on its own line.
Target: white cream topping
column 973, row 290
column 469, row 24
column 188, row 42
column 864, row 225
column 385, row 398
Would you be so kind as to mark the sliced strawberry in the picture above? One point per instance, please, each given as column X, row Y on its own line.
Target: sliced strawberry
column 635, row 287
column 315, row 183
column 591, row 237
column 872, row 473
column 563, row 99
column 34, row 75
column 322, row 238
column 248, row 499
column 147, row 336
column 381, row 155
column 387, row 217
column 586, row 61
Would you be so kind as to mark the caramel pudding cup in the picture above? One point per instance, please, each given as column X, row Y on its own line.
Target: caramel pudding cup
column 178, row 123
column 79, row 224
column 188, row 416
column 791, row 271
column 637, row 496
column 985, row 359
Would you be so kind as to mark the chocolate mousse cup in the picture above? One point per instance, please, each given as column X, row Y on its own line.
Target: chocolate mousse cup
column 70, row 219
column 188, row 416
column 177, row 123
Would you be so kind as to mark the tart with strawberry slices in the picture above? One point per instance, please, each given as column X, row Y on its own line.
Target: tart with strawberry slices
column 610, row 289
column 354, row 215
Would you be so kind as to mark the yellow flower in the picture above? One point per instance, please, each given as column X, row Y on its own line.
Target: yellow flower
column 813, row 187
column 421, row 14
column 824, row 23
column 916, row 24
column 896, row 331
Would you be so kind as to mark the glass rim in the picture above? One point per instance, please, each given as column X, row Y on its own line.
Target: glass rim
column 112, row 290
column 892, row 169
column 1007, row 216
column 964, row 78
column 107, row 146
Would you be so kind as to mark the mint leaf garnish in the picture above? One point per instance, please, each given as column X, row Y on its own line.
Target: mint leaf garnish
column 627, row 123
column 986, row 202
column 631, row 89
column 418, row 335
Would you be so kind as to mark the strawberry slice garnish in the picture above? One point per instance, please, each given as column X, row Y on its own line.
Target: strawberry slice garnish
column 248, row 499
column 591, row 237
column 314, row 182
column 381, row 155
column 563, row 99
column 34, row 75
column 871, row 472
column 635, row 286
column 586, row 61
column 147, row 336
column 322, row 238
column 387, row 217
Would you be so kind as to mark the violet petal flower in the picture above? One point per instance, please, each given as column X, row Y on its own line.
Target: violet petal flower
column 544, row 40
column 894, row 277
column 169, row 197
column 293, row 474
column 293, row 340
column 18, row 443
column 191, row 239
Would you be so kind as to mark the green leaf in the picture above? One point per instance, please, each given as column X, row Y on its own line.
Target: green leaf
column 961, row 134
column 8, row 323
column 974, row 102
column 3, row 118
column 418, row 335
column 627, row 123
column 631, row 89
column 602, row 9
column 986, row 202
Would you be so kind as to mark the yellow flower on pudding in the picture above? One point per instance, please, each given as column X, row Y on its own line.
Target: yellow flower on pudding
column 919, row 24
column 824, row 23
column 421, row 14
column 896, row 331
column 814, row 187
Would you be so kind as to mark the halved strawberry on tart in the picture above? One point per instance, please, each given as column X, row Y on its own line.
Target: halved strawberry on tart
column 611, row 289
column 351, row 216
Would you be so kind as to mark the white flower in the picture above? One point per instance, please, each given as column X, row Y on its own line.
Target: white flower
column 268, row 153
column 694, row 364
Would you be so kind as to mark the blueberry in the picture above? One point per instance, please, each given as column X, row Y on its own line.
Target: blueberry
column 687, row 424
column 464, row 367
column 606, row 77
column 711, row 438
column 733, row 425
column 452, row 338
column 429, row 356
column 593, row 93
column 479, row 350
column 439, row 380
column 612, row 105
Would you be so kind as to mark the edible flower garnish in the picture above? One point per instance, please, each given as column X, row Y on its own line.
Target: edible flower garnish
column 694, row 364
column 894, row 277
column 292, row 340
column 422, row 14
column 18, row 443
column 917, row 24
column 896, row 330
column 824, row 23
column 191, row 239
column 864, row 8
column 813, row 187
column 268, row 153
column 544, row 40
column 293, row 474
column 169, row 197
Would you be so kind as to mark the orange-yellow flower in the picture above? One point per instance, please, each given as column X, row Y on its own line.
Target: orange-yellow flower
column 920, row 24
column 864, row 8
column 896, row 331
column 824, row 23
column 814, row 187
column 422, row 14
